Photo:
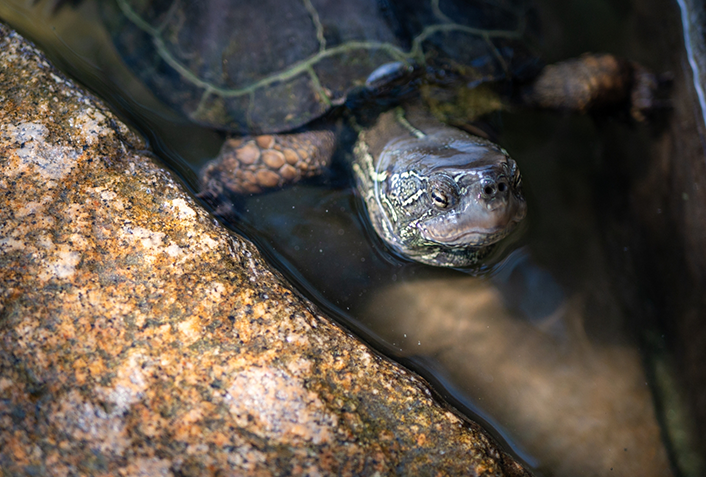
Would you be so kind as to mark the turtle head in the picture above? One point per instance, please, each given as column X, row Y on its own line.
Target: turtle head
column 445, row 196
column 472, row 206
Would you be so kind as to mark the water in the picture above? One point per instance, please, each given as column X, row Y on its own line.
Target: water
column 540, row 347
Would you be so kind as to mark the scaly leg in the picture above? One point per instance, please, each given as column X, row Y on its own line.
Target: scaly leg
column 595, row 81
column 255, row 164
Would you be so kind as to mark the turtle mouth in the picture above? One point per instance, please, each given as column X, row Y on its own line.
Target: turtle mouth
column 471, row 238
column 488, row 227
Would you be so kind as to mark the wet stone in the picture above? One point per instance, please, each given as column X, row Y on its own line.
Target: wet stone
column 139, row 337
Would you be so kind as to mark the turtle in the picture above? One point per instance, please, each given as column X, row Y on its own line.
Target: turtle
column 277, row 76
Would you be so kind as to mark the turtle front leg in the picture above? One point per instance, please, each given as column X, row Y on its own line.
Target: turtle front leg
column 254, row 164
column 595, row 81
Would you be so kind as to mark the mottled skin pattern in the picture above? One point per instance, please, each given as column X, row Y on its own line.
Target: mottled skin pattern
column 436, row 194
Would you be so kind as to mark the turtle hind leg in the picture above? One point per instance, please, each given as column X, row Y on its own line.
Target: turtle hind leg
column 254, row 164
column 596, row 81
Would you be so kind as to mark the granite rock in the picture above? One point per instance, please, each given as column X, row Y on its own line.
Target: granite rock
column 139, row 337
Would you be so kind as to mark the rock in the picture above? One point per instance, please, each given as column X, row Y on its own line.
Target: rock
column 139, row 337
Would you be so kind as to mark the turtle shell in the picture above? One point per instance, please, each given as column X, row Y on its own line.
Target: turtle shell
column 266, row 66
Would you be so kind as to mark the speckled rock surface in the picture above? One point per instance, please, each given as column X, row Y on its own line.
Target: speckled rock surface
column 138, row 337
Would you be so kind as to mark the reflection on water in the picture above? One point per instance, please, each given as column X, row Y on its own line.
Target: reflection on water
column 540, row 345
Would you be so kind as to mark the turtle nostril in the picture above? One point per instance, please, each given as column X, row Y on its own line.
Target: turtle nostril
column 489, row 190
column 502, row 187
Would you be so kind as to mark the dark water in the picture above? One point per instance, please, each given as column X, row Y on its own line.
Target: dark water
column 552, row 307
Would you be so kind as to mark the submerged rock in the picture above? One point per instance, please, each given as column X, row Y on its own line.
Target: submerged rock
column 581, row 407
column 139, row 337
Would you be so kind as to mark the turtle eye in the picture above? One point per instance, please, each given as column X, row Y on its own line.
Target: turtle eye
column 439, row 198
column 443, row 191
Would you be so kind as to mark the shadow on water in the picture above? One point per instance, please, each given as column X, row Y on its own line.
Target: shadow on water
column 542, row 347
